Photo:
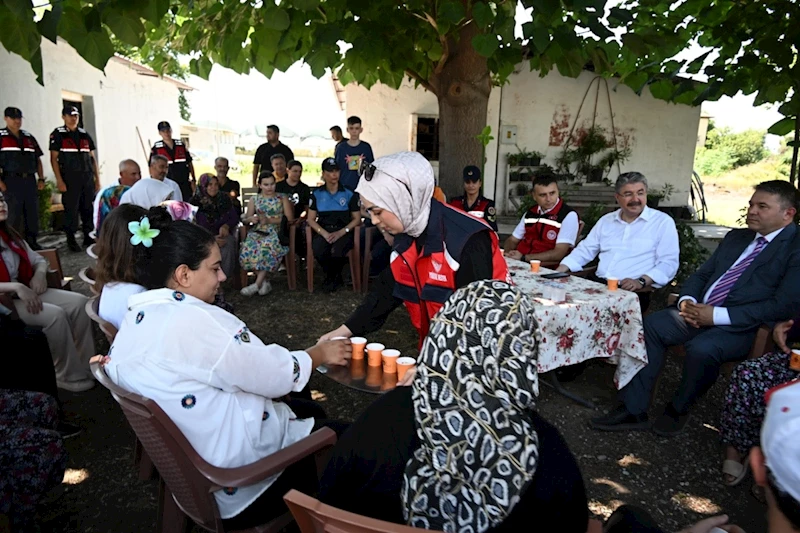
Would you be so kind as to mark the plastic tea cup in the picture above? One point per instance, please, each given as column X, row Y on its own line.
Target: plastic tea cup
column 390, row 361
column 535, row 264
column 374, row 376
column 403, row 366
column 794, row 362
column 374, row 354
column 358, row 368
column 613, row 284
column 358, row 344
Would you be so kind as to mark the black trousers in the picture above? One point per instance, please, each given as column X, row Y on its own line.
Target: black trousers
column 32, row 369
column 332, row 257
column 301, row 476
column 706, row 350
column 78, row 200
column 23, row 203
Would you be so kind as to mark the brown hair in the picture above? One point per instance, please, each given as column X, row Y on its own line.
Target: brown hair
column 115, row 253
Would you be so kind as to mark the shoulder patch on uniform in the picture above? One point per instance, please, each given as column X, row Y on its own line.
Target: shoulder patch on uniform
column 159, row 144
column 491, row 210
column 178, row 141
column 61, row 128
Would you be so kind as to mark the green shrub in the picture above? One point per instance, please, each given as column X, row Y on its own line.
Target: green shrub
column 693, row 254
column 713, row 162
column 591, row 215
column 746, row 147
column 45, row 195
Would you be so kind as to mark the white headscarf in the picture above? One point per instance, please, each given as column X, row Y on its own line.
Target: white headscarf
column 403, row 185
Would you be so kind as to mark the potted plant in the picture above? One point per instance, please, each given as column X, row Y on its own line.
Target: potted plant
column 513, row 176
column 513, row 159
column 664, row 193
column 535, row 158
column 522, row 189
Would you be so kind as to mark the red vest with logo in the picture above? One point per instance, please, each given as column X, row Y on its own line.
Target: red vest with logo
column 177, row 158
column 425, row 278
column 541, row 230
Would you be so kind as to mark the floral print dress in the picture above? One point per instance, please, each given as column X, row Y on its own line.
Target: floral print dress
column 262, row 250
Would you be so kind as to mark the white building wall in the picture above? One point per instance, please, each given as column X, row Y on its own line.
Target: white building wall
column 662, row 135
column 210, row 143
column 121, row 101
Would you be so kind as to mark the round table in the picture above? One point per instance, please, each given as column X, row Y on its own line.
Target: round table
column 360, row 376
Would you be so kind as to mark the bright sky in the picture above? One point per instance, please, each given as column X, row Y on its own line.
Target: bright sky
column 294, row 100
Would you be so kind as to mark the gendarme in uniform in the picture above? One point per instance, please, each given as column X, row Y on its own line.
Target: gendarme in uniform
column 19, row 163
column 180, row 160
column 76, row 167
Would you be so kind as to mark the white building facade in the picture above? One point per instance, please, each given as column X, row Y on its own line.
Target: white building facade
column 537, row 113
column 113, row 103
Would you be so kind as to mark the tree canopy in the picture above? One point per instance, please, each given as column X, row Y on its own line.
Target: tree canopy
column 457, row 49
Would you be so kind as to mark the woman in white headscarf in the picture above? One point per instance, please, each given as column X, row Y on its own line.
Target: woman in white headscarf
column 463, row 449
column 437, row 249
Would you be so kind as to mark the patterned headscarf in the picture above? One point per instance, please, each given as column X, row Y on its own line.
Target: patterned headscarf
column 403, row 185
column 212, row 207
column 109, row 199
column 475, row 386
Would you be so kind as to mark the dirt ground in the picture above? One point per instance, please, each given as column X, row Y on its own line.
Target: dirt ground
column 677, row 480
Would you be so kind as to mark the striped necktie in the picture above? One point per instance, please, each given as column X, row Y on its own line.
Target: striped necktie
column 727, row 281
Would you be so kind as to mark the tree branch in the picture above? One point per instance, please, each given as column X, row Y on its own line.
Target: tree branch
column 442, row 40
column 422, row 81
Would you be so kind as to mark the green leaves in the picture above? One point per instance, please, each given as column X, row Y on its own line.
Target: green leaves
column 127, row 28
column 485, row 44
column 662, row 89
column 482, row 14
column 783, row 127
column 450, row 12
column 276, row 18
column 19, row 34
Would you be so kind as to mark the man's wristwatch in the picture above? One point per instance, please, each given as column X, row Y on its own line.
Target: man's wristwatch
column 643, row 282
column 346, row 229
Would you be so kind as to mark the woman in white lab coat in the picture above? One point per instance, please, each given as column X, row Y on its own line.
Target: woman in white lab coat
column 214, row 378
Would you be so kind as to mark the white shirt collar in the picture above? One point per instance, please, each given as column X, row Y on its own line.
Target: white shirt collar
column 645, row 215
column 770, row 236
column 541, row 212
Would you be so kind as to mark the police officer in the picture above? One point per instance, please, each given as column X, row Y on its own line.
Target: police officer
column 473, row 202
column 77, row 175
column 20, row 161
column 180, row 160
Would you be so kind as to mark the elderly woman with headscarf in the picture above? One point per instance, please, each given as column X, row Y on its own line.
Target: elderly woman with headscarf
column 462, row 449
column 217, row 213
column 437, row 248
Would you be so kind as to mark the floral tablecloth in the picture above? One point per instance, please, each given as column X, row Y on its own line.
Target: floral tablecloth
column 591, row 322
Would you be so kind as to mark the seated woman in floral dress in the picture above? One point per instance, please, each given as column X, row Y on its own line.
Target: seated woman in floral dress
column 744, row 407
column 262, row 250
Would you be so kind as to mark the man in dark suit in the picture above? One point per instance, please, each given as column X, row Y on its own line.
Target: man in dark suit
column 753, row 278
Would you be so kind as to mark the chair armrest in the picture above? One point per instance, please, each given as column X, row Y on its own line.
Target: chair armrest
column 320, row 440
column 586, row 272
column 53, row 279
column 763, row 342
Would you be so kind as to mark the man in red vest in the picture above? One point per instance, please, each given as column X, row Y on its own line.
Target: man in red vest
column 549, row 230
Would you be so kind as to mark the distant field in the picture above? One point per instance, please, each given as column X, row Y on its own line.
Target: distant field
column 243, row 172
column 724, row 205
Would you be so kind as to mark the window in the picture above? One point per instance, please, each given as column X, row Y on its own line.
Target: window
column 427, row 137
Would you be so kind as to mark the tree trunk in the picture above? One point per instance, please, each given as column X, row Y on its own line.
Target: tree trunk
column 795, row 148
column 462, row 86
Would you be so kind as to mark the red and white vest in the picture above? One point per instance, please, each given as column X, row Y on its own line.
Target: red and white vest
column 541, row 230
column 425, row 278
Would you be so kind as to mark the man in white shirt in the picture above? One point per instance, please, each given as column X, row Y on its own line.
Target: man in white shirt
column 636, row 244
column 129, row 174
column 753, row 278
column 549, row 230
column 151, row 191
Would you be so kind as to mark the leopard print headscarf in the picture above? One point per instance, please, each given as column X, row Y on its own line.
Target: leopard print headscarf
column 475, row 386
